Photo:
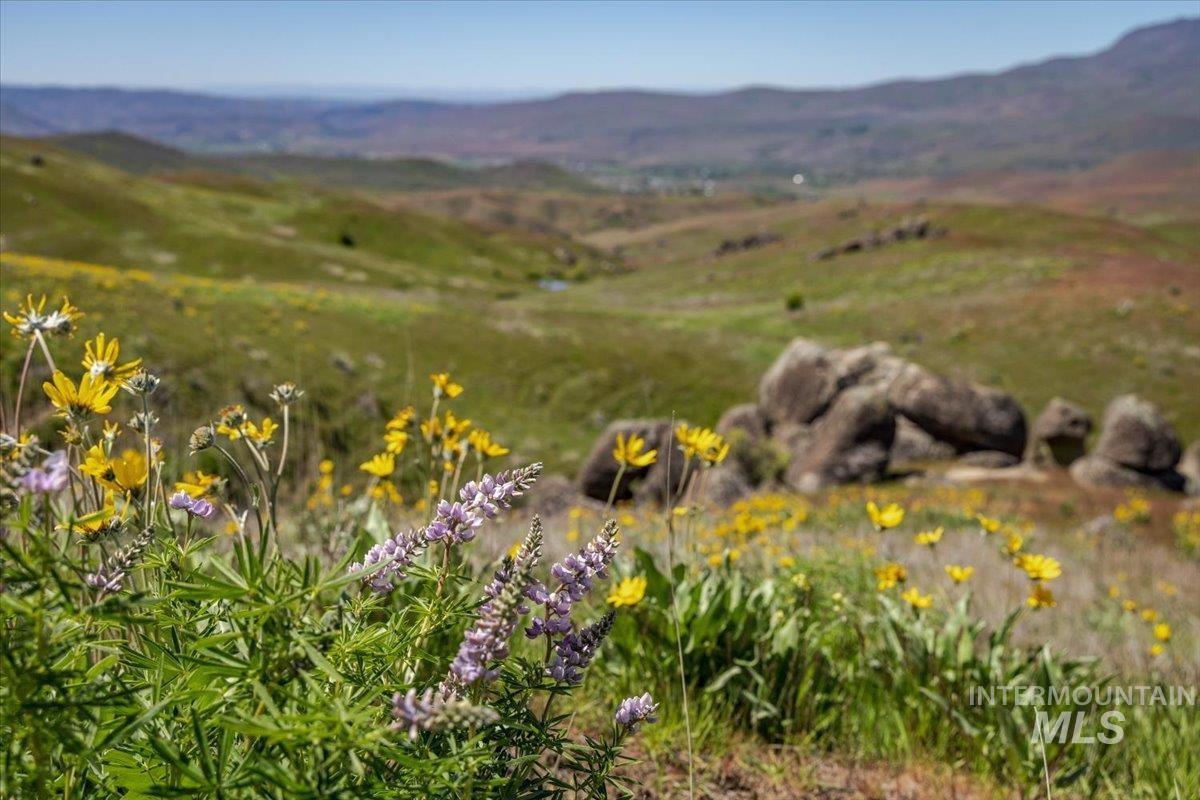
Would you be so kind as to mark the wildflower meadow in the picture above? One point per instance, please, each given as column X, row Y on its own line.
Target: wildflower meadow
column 221, row 618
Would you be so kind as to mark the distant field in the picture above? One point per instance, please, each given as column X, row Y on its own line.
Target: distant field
column 1039, row 302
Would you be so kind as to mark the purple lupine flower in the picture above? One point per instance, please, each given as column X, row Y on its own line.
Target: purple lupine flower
column 479, row 501
column 110, row 577
column 576, row 650
column 487, row 641
column 635, row 710
column 50, row 478
column 202, row 508
column 575, row 575
column 195, row 507
column 397, row 553
column 453, row 522
column 437, row 711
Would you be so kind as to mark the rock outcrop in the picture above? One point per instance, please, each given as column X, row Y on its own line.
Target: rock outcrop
column 966, row 415
column 829, row 416
column 1189, row 468
column 1137, row 448
column 1059, row 434
column 914, row 445
column 600, row 469
column 1135, row 435
column 850, row 444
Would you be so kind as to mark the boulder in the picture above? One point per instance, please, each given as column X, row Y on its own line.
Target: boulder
column 849, row 444
column 799, row 386
column 655, row 486
column 1189, row 467
column 725, row 484
column 966, row 415
column 913, row 445
column 806, row 377
column 599, row 469
column 745, row 418
column 989, row 459
column 1096, row 470
column 1135, row 435
column 556, row 494
column 1059, row 433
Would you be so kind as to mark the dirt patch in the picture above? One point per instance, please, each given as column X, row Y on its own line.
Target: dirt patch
column 783, row 773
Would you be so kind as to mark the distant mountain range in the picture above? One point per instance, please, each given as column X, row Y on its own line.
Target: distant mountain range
column 1140, row 94
column 142, row 156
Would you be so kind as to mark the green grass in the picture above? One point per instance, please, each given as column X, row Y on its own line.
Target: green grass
column 1020, row 297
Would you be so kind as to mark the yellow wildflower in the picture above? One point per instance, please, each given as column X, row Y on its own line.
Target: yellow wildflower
column 887, row 517
column 101, row 357
column 929, row 538
column 628, row 452
column 702, row 443
column 1129, row 605
column 915, row 599
column 1157, row 649
column 1013, row 543
column 122, row 474
column 196, row 484
column 1162, row 632
column 380, row 465
column 959, row 574
column 988, row 524
column 93, row 395
column 628, row 592
column 443, row 386
column 1149, row 614
column 1039, row 567
column 31, row 319
column 787, row 562
column 402, row 419
column 481, row 442
column 260, row 435
column 230, row 421
column 395, row 441
column 1040, row 596
column 100, row 522
column 325, row 467
column 889, row 575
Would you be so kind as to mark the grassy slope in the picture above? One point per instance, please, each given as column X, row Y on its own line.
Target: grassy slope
column 73, row 207
column 1019, row 297
column 234, row 289
column 142, row 156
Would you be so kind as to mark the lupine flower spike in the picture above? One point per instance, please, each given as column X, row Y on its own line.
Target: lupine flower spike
column 434, row 711
column 487, row 641
column 454, row 522
column 633, row 711
column 575, row 575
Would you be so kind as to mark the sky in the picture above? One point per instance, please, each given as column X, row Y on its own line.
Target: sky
column 492, row 50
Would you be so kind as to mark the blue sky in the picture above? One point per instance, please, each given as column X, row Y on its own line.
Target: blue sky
column 500, row 47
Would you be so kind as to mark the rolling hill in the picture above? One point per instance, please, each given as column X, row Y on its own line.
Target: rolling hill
column 232, row 282
column 1141, row 93
column 142, row 156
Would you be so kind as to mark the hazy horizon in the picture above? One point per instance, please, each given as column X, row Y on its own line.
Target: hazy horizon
column 560, row 49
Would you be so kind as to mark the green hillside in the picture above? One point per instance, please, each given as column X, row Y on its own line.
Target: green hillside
column 142, row 156
column 260, row 288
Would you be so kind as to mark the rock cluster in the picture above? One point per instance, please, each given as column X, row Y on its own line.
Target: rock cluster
column 907, row 230
column 827, row 416
column 751, row 242
column 1136, row 448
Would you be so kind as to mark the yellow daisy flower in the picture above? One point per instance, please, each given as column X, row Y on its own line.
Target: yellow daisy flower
column 92, row 396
